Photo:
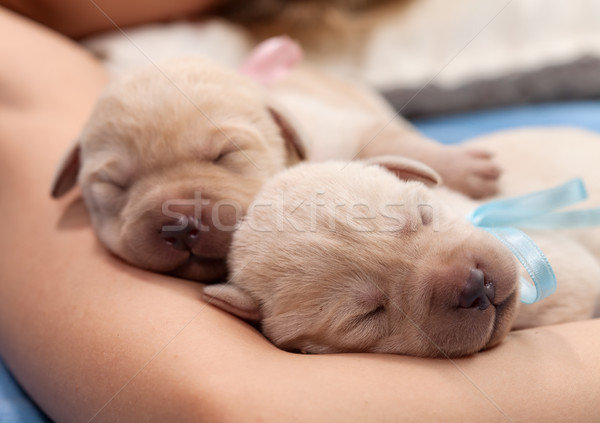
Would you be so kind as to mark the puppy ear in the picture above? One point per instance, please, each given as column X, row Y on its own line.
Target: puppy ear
column 407, row 169
column 232, row 299
column 68, row 170
column 296, row 141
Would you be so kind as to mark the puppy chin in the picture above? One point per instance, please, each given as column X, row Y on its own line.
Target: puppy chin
column 202, row 269
column 505, row 315
column 501, row 321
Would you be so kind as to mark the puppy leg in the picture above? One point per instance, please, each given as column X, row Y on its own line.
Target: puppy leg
column 469, row 170
column 346, row 120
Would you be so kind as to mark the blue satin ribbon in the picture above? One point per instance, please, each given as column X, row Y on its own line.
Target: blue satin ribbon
column 535, row 211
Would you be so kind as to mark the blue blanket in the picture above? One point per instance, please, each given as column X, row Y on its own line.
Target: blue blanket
column 16, row 407
column 455, row 128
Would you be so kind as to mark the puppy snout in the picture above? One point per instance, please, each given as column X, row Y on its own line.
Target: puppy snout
column 203, row 229
column 182, row 233
column 477, row 292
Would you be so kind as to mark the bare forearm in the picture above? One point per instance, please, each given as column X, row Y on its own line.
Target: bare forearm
column 91, row 337
column 82, row 330
column 81, row 18
column 43, row 70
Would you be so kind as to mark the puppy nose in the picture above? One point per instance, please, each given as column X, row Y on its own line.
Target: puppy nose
column 477, row 293
column 181, row 234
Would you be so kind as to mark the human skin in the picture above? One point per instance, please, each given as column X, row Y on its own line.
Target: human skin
column 77, row 19
column 94, row 339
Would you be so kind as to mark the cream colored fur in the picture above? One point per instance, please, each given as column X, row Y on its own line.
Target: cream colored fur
column 173, row 143
column 345, row 120
column 350, row 257
column 187, row 143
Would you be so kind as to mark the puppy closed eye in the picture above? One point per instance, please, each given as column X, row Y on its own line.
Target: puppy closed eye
column 106, row 196
column 232, row 161
column 104, row 177
column 370, row 301
column 426, row 214
column 368, row 327
column 220, row 157
column 226, row 153
column 376, row 312
column 372, row 315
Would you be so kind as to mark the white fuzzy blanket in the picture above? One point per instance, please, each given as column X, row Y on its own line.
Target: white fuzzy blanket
column 449, row 45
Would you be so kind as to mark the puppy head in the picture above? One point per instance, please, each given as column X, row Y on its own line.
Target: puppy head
column 170, row 160
column 338, row 257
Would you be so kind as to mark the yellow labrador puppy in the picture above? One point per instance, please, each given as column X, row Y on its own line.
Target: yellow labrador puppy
column 170, row 159
column 374, row 256
column 173, row 154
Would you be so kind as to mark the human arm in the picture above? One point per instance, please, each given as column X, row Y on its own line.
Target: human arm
column 90, row 337
column 82, row 18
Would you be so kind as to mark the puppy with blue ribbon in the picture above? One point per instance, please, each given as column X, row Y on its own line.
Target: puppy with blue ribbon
column 501, row 218
column 376, row 256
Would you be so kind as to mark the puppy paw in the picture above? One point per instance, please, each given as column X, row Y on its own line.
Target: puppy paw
column 468, row 170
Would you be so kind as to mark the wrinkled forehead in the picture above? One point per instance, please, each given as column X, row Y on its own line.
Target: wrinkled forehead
column 355, row 209
column 183, row 83
column 166, row 120
column 160, row 100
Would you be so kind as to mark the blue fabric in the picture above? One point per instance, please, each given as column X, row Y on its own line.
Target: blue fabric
column 533, row 260
column 539, row 210
column 455, row 128
column 500, row 217
column 535, row 210
column 16, row 407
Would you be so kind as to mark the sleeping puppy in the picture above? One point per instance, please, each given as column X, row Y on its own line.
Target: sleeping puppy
column 173, row 155
column 344, row 120
column 374, row 256
column 170, row 159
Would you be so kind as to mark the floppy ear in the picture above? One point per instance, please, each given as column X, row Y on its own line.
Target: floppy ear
column 233, row 300
column 407, row 169
column 296, row 140
column 67, row 172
